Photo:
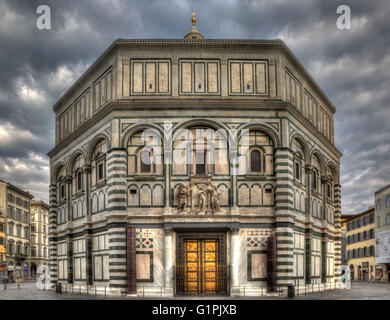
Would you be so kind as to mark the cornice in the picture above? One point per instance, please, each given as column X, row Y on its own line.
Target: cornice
column 277, row 105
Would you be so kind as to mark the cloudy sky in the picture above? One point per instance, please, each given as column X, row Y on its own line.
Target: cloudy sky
column 351, row 66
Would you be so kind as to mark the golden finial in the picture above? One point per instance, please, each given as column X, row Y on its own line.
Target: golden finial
column 193, row 19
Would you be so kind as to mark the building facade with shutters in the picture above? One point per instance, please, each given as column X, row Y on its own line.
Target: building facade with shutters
column 15, row 237
column 183, row 166
column 382, row 232
column 360, row 238
column 39, row 236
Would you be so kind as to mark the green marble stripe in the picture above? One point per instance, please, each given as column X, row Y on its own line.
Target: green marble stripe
column 117, row 240
column 116, row 156
column 283, row 224
column 117, row 263
column 284, row 263
column 283, row 156
column 278, row 271
column 284, row 242
column 117, row 184
column 118, row 233
column 286, row 186
column 117, row 200
column 116, row 270
column 283, row 201
column 283, row 171
column 118, row 278
column 285, row 249
column 117, row 208
column 119, row 191
column 116, row 162
column 117, row 256
column 118, row 285
column 284, row 255
column 116, row 248
column 284, row 278
column 284, row 234
column 284, row 194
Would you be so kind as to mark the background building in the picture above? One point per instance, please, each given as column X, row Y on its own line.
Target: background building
column 125, row 214
column 16, row 202
column 361, row 245
column 344, row 219
column 382, row 238
column 3, row 211
column 39, row 235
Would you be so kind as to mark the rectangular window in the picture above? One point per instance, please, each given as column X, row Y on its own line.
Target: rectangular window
column 249, row 77
column 388, row 201
column 103, row 90
column 100, row 171
column 388, row 219
column 297, row 171
column 378, row 222
column 378, row 205
column 200, row 162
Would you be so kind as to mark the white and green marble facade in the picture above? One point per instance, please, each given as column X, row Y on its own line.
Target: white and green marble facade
column 146, row 86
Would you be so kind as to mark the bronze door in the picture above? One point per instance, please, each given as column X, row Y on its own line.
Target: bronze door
column 200, row 269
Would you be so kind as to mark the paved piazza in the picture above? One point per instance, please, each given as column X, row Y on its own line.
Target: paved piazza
column 359, row 291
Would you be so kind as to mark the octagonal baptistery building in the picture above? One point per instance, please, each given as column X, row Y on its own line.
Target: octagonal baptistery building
column 192, row 167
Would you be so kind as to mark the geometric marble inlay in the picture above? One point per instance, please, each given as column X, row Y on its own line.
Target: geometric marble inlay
column 144, row 239
column 256, row 238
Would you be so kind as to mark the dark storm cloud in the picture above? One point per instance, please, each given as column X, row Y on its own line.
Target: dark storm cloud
column 350, row 65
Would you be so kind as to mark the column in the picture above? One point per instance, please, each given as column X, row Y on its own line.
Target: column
column 308, row 174
column 53, row 265
column 87, row 173
column 118, row 257
column 88, row 259
column 131, row 262
column 308, row 248
column 168, row 160
column 324, row 186
column 70, row 259
column 233, row 156
column 116, row 180
column 234, row 261
column 284, row 209
column 337, row 225
column 69, row 197
column 168, row 262
column 116, row 162
column 324, row 248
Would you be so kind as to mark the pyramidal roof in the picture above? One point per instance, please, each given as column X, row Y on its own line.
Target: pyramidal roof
column 194, row 32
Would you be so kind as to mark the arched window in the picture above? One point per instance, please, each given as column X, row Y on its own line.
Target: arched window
column 145, row 159
column 314, row 180
column 79, row 180
column 144, row 150
column 298, row 160
column 316, row 174
column 99, row 162
column 256, row 153
column 255, row 161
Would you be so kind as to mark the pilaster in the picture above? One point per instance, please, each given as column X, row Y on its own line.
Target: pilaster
column 168, row 262
column 284, row 224
column 118, row 255
column 308, row 250
column 337, row 224
column 53, row 265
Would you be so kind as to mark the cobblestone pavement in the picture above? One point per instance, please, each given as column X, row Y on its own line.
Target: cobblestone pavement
column 359, row 291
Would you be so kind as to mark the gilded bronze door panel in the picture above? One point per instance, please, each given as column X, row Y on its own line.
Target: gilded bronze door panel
column 200, row 266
